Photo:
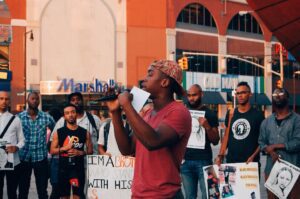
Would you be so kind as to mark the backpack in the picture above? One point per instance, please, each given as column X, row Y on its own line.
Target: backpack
column 106, row 132
column 93, row 123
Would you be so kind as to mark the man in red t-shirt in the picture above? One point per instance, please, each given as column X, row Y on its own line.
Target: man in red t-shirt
column 160, row 137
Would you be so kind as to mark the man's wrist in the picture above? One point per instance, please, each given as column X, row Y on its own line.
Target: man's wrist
column 208, row 128
column 221, row 156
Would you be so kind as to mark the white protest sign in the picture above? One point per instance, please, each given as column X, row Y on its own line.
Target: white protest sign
column 238, row 180
column 109, row 177
column 197, row 137
column 282, row 178
column 139, row 98
column 6, row 159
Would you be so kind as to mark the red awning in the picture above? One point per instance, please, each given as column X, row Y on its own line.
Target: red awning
column 282, row 17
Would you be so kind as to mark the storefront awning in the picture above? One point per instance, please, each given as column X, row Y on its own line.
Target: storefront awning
column 297, row 98
column 260, row 99
column 282, row 17
column 210, row 97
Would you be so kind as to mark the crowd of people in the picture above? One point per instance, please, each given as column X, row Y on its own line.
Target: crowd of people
column 158, row 137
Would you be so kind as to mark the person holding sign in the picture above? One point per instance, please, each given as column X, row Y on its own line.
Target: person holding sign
column 11, row 140
column 280, row 136
column 159, row 137
column 69, row 142
column 242, row 136
column 198, row 153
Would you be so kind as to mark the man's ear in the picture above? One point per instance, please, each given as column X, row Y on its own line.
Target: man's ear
column 165, row 82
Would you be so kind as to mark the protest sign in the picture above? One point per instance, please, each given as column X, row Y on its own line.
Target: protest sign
column 282, row 178
column 6, row 159
column 197, row 137
column 238, row 180
column 109, row 177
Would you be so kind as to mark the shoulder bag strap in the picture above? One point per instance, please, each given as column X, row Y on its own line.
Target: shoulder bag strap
column 226, row 135
column 7, row 126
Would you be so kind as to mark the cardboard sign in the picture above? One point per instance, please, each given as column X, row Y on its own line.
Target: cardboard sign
column 109, row 177
column 239, row 180
column 282, row 178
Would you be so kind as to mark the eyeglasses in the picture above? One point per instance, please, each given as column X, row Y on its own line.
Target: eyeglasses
column 242, row 93
column 277, row 94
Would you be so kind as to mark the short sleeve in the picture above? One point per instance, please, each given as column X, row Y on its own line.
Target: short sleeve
column 179, row 119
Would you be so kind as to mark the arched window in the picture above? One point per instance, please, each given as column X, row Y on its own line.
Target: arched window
column 196, row 14
column 245, row 23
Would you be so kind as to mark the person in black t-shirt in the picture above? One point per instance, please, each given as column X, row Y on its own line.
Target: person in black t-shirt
column 198, row 154
column 69, row 142
column 242, row 142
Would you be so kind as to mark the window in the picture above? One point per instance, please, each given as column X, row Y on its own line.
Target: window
column 200, row 63
column 239, row 67
column 245, row 23
column 196, row 14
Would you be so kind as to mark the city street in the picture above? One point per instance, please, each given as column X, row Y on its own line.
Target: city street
column 69, row 66
column 33, row 193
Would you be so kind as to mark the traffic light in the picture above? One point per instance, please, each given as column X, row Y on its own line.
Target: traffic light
column 279, row 84
column 183, row 63
column 180, row 63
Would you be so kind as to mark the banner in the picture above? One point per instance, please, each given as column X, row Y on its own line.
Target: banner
column 282, row 178
column 109, row 177
column 6, row 159
column 239, row 180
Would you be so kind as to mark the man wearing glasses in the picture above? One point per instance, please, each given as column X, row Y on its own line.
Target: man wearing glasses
column 244, row 127
column 280, row 136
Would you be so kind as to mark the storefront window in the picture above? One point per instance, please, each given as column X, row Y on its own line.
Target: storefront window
column 200, row 63
column 238, row 67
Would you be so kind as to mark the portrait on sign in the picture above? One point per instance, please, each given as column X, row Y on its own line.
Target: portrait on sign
column 282, row 178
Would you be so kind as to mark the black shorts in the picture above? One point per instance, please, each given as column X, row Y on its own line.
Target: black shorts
column 65, row 175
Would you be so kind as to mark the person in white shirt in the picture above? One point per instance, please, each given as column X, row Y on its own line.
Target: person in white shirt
column 107, row 144
column 11, row 141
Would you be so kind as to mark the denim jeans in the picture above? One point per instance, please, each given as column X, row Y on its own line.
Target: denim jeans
column 191, row 175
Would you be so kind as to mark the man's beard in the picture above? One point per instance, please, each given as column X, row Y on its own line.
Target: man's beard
column 79, row 109
column 244, row 103
column 72, row 121
column 196, row 104
column 281, row 104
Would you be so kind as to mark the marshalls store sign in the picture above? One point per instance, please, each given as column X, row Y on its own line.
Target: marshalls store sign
column 67, row 86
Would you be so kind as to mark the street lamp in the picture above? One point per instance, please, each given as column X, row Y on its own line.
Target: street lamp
column 294, row 88
column 31, row 38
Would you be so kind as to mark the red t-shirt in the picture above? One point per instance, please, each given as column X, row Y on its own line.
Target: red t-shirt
column 157, row 172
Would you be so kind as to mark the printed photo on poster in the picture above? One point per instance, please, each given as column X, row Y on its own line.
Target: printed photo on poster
column 197, row 137
column 239, row 180
column 282, row 178
column 6, row 159
column 212, row 182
